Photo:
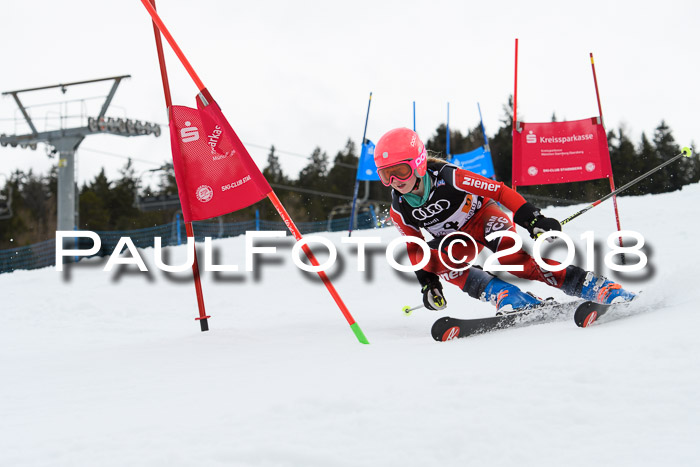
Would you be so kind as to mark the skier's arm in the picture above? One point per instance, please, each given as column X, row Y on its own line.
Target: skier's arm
column 525, row 214
column 482, row 186
column 406, row 229
column 431, row 288
column 531, row 218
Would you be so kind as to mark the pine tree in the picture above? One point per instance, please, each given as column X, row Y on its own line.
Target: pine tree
column 168, row 182
column 691, row 166
column 473, row 139
column 94, row 214
column 273, row 171
column 33, row 211
column 646, row 160
column 437, row 144
column 35, row 195
column 341, row 177
column 672, row 177
column 502, row 146
column 622, row 157
column 123, row 211
column 313, row 177
column 94, row 204
column 316, row 170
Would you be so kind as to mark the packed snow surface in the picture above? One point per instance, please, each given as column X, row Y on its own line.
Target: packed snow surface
column 110, row 368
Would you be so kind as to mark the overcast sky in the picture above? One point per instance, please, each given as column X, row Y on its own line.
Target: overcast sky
column 298, row 74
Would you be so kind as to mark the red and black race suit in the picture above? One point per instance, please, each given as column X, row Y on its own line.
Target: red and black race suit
column 455, row 197
column 462, row 201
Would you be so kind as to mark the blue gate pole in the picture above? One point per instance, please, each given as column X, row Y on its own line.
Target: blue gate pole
column 414, row 115
column 177, row 227
column 75, row 244
column 374, row 216
column 448, row 132
column 357, row 182
column 483, row 131
column 257, row 219
column 486, row 140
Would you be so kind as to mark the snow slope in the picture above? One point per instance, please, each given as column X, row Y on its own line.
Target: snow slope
column 110, row 368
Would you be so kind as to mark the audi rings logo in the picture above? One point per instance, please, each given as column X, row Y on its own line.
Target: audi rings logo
column 428, row 211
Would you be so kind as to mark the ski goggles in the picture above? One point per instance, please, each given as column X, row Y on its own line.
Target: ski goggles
column 401, row 171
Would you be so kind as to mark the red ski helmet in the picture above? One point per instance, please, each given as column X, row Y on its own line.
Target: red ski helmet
column 400, row 146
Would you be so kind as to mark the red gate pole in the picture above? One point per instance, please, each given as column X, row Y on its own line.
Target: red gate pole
column 202, row 318
column 271, row 195
column 515, row 111
column 326, row 281
column 515, row 91
column 612, row 181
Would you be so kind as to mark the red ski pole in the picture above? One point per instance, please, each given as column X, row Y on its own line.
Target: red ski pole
column 685, row 152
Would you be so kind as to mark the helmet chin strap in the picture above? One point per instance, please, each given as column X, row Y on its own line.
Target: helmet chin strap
column 415, row 187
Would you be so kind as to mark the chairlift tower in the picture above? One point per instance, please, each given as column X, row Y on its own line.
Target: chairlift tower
column 65, row 142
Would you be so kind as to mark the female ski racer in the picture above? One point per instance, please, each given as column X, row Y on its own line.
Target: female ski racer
column 444, row 199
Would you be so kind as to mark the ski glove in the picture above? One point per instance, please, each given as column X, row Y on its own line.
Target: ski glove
column 432, row 290
column 543, row 224
column 530, row 217
column 432, row 296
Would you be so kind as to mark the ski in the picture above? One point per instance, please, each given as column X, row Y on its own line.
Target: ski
column 447, row 328
column 588, row 313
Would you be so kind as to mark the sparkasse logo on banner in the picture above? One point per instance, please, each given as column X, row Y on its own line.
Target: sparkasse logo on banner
column 189, row 133
column 560, row 152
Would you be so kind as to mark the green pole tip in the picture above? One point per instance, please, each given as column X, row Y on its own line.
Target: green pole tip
column 358, row 333
column 687, row 152
column 407, row 310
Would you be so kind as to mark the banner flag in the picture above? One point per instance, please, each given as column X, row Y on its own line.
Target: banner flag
column 215, row 174
column 477, row 161
column 560, row 152
column 366, row 170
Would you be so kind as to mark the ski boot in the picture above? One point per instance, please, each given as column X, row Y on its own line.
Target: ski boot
column 601, row 290
column 508, row 298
